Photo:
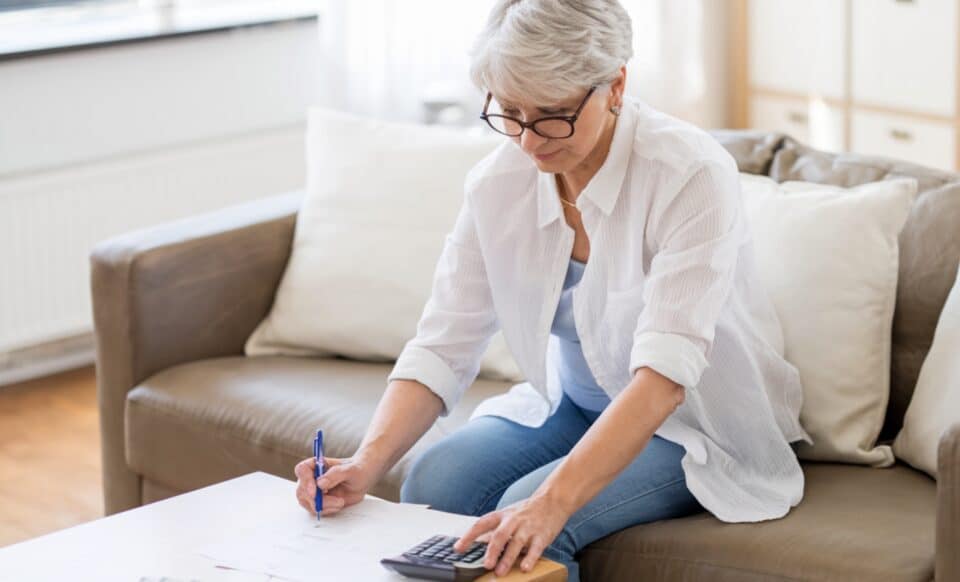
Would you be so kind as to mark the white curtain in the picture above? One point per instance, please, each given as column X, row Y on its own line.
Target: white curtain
column 407, row 59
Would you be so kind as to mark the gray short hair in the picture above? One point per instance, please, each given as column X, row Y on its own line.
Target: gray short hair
column 546, row 51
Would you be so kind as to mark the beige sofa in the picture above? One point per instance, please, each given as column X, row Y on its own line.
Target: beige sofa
column 181, row 407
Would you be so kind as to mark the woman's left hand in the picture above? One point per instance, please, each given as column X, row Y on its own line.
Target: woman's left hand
column 530, row 524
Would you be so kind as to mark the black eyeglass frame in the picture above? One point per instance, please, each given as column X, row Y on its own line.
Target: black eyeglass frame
column 570, row 119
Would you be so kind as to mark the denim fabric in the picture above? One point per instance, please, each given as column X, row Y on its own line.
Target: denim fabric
column 491, row 462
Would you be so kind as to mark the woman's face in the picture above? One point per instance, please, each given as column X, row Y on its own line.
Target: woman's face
column 563, row 155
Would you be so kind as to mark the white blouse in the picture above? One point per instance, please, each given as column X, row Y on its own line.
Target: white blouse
column 670, row 283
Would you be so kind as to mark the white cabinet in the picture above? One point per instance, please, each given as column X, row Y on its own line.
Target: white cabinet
column 904, row 54
column 921, row 141
column 812, row 122
column 794, row 45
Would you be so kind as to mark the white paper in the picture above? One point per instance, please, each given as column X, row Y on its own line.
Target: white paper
column 345, row 546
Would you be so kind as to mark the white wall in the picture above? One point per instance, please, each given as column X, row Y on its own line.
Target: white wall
column 102, row 141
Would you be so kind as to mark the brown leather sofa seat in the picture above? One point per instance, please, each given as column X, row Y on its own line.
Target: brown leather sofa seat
column 854, row 523
column 235, row 413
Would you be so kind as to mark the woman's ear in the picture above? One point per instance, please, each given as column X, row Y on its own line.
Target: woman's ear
column 617, row 87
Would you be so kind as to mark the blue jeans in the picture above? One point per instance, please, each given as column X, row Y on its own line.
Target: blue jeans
column 491, row 462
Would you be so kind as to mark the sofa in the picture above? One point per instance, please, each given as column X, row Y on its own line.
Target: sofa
column 182, row 407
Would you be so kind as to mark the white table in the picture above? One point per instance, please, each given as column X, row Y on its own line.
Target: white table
column 155, row 540
column 160, row 539
column 166, row 538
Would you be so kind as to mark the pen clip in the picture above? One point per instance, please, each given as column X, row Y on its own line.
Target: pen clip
column 318, row 450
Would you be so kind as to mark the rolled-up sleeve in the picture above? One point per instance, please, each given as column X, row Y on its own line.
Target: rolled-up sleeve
column 697, row 234
column 458, row 320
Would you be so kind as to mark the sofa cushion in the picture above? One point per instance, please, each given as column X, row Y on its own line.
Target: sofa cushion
column 935, row 406
column 929, row 251
column 854, row 523
column 367, row 243
column 203, row 422
column 827, row 256
column 753, row 149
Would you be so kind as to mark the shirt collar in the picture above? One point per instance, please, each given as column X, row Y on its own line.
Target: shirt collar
column 604, row 187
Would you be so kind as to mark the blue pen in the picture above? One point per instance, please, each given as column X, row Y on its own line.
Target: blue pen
column 318, row 470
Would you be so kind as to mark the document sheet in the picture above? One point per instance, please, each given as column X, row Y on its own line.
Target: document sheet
column 344, row 546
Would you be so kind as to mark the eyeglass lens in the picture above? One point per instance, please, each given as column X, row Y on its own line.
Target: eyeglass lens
column 556, row 128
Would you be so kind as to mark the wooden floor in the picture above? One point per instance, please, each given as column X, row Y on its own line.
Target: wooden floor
column 49, row 455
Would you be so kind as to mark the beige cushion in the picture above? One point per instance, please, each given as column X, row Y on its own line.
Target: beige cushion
column 380, row 198
column 929, row 246
column 936, row 400
column 200, row 423
column 854, row 523
column 828, row 258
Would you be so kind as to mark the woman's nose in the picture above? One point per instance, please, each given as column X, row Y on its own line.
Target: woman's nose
column 530, row 141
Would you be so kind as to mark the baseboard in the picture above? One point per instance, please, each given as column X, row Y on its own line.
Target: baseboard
column 48, row 358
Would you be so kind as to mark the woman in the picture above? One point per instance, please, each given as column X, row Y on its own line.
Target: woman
column 655, row 390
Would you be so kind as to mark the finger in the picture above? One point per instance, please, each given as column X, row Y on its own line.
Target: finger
column 497, row 543
column 333, row 477
column 302, row 500
column 307, row 490
column 301, row 503
column 307, row 486
column 332, row 504
column 484, row 524
column 301, row 491
column 517, row 543
column 534, row 551
column 304, row 469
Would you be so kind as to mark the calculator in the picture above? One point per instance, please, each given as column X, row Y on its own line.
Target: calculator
column 435, row 559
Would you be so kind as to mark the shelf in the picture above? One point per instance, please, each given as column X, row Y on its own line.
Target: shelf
column 39, row 31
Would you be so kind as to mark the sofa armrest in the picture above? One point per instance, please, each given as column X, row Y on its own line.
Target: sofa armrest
column 948, row 505
column 182, row 291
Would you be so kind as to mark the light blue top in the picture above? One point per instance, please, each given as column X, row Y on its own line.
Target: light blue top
column 575, row 376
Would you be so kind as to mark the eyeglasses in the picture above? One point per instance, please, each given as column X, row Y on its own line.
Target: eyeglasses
column 552, row 127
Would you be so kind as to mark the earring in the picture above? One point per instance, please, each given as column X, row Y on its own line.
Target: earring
column 615, row 110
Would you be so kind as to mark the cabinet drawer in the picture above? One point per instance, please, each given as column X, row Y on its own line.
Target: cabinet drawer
column 905, row 54
column 797, row 45
column 811, row 122
column 924, row 142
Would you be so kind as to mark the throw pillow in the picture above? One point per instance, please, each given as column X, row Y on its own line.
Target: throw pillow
column 935, row 405
column 828, row 257
column 380, row 198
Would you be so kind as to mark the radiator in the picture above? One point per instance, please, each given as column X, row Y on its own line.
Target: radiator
column 49, row 222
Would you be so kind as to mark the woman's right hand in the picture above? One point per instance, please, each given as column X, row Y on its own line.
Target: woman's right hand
column 344, row 483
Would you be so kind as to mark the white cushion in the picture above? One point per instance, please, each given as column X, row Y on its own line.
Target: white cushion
column 380, row 198
column 935, row 405
column 828, row 257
